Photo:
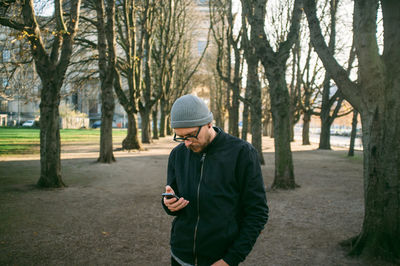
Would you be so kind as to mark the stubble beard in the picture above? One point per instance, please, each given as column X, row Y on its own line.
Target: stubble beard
column 198, row 148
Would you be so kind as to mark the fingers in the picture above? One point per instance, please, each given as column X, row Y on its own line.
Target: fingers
column 174, row 205
column 169, row 189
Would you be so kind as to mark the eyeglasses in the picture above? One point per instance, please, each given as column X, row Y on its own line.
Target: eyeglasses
column 182, row 139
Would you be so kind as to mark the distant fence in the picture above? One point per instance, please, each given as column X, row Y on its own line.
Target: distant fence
column 74, row 122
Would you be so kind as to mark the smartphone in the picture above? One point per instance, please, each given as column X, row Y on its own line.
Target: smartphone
column 170, row 196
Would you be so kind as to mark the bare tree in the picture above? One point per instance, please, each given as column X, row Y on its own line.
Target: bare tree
column 310, row 90
column 129, row 67
column 172, row 26
column 51, row 67
column 275, row 68
column 107, row 61
column 222, row 20
column 375, row 95
column 353, row 134
column 149, row 95
column 253, row 85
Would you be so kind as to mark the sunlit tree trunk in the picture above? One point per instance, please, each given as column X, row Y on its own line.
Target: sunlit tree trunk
column 51, row 68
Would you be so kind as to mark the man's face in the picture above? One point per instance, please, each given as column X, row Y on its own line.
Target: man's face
column 195, row 144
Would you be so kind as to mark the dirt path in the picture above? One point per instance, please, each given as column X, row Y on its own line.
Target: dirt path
column 111, row 214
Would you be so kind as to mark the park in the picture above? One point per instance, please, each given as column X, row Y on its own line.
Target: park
column 87, row 94
column 111, row 214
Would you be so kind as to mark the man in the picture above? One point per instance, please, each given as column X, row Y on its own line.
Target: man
column 222, row 206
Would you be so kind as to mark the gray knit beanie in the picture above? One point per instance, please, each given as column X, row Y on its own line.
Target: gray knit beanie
column 190, row 111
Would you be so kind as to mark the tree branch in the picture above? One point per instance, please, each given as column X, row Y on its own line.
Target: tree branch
column 338, row 74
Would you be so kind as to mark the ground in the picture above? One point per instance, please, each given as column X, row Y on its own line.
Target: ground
column 112, row 215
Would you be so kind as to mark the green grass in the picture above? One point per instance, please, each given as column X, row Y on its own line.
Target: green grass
column 27, row 140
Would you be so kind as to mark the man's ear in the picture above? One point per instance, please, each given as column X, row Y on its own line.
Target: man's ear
column 209, row 125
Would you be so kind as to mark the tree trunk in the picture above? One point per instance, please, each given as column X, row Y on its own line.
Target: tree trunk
column 50, row 163
column 106, row 47
column 145, row 115
column 234, row 113
column 353, row 133
column 292, row 124
column 163, row 118
column 169, row 129
column 380, row 235
column 154, row 114
column 306, row 128
column 255, row 109
column 245, row 117
column 131, row 141
column 107, row 114
column 280, row 99
column 325, row 136
column 216, row 102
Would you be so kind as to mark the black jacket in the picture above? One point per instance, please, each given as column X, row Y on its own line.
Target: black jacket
column 227, row 204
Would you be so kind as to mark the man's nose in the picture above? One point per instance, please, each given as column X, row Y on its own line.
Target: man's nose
column 187, row 142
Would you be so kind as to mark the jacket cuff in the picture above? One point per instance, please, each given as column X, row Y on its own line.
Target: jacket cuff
column 167, row 210
column 231, row 259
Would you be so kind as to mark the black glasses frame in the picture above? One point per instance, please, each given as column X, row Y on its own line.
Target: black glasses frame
column 182, row 139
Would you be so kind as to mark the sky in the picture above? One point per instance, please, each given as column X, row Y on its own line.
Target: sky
column 44, row 7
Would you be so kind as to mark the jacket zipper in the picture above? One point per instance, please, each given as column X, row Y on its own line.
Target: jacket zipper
column 198, row 208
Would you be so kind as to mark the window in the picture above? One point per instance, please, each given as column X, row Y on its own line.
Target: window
column 92, row 106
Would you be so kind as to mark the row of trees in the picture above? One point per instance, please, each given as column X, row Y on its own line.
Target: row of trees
column 144, row 46
column 261, row 48
column 139, row 50
column 373, row 93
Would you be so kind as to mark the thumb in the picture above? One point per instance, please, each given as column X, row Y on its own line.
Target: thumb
column 169, row 189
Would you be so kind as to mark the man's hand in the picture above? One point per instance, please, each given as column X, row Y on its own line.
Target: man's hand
column 220, row 262
column 172, row 204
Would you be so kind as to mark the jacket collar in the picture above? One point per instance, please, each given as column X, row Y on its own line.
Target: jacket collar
column 214, row 143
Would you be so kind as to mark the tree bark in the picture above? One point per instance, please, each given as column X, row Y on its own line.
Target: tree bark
column 131, row 141
column 163, row 117
column 145, row 115
column 154, row 115
column 50, row 146
column 353, row 133
column 245, row 113
column 306, row 128
column 280, row 100
column 325, row 136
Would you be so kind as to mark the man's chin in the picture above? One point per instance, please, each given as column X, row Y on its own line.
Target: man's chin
column 196, row 149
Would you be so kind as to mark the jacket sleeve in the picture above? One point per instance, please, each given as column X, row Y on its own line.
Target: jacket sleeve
column 254, row 209
column 171, row 181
